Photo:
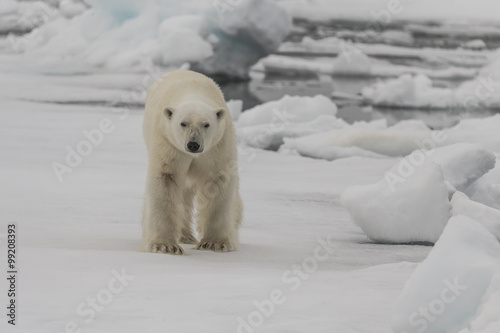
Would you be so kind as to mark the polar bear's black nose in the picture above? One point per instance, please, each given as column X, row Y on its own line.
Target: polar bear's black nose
column 193, row 146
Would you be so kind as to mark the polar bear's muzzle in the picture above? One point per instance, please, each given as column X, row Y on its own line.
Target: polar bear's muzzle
column 194, row 147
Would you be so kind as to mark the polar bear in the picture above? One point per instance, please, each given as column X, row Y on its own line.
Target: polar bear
column 192, row 166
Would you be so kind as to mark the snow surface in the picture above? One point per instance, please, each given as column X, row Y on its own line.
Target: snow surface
column 77, row 230
column 456, row 287
column 73, row 234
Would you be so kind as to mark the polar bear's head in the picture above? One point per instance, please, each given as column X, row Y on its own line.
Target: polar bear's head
column 194, row 127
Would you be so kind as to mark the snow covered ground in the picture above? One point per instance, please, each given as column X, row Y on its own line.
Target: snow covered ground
column 303, row 265
column 73, row 234
column 339, row 216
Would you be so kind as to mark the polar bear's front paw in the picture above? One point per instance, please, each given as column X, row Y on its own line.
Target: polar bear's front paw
column 166, row 248
column 216, row 246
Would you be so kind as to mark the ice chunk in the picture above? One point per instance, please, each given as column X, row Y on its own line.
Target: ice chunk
column 24, row 16
column 181, row 39
column 246, row 31
column 366, row 141
column 411, row 125
column 487, row 188
column 131, row 35
column 72, row 8
column 475, row 44
column 409, row 91
column 235, row 107
column 396, row 37
column 484, row 132
column 487, row 216
column 415, row 211
column 486, row 319
column 352, row 63
column 355, row 64
column 271, row 136
column 289, row 109
column 462, row 163
column 453, row 284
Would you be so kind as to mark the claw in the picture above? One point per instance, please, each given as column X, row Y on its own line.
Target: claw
column 166, row 248
column 214, row 246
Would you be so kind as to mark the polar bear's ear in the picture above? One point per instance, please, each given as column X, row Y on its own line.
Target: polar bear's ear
column 219, row 114
column 168, row 112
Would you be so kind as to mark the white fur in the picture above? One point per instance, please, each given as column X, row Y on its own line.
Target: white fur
column 180, row 182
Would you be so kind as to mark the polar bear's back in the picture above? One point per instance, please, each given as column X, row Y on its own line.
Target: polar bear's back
column 173, row 88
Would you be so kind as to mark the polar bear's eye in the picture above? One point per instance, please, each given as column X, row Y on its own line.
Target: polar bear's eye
column 183, row 124
column 206, row 125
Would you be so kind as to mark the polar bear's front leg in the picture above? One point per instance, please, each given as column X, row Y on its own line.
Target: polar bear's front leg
column 163, row 215
column 187, row 236
column 216, row 223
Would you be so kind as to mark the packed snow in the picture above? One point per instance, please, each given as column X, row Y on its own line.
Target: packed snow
column 489, row 217
column 65, row 221
column 456, row 288
column 462, row 163
column 411, row 202
column 75, row 235
column 265, row 126
column 416, row 209
column 486, row 189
